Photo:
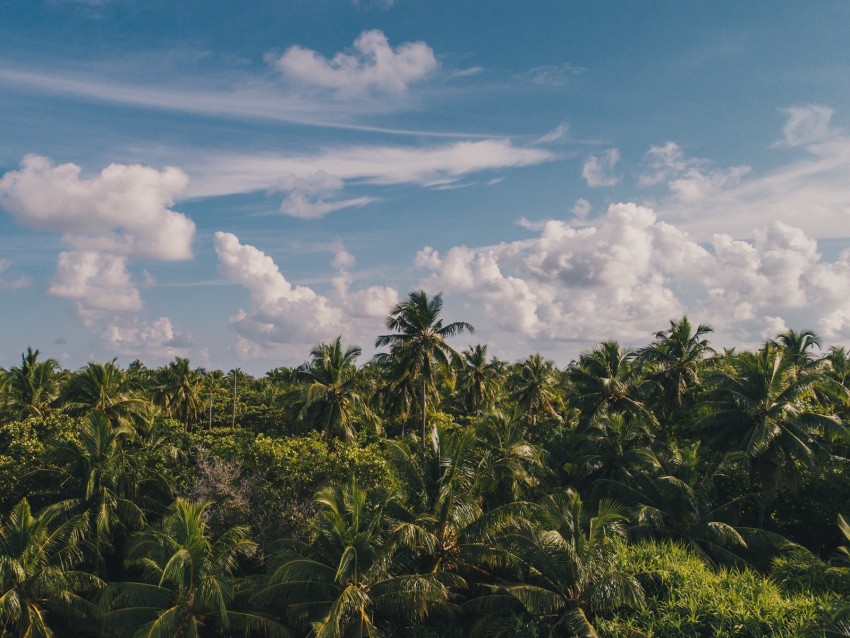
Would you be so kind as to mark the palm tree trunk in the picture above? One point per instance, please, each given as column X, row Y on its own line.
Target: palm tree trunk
column 233, row 420
column 423, row 412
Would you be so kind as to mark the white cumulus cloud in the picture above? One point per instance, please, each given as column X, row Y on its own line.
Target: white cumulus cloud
column 598, row 170
column 124, row 212
column 97, row 281
column 282, row 314
column 158, row 338
column 629, row 273
column 372, row 65
column 125, row 209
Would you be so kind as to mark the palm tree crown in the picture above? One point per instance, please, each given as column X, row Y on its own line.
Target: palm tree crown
column 418, row 347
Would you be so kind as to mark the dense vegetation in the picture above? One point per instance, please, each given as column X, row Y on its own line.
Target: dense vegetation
column 666, row 491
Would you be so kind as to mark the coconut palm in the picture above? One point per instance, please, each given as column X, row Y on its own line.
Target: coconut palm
column 330, row 390
column 675, row 359
column 188, row 580
column 533, row 389
column 178, row 389
column 31, row 389
column 106, row 388
column 38, row 581
column 419, row 352
column 764, row 410
column 606, row 380
column 797, row 347
column 438, row 497
column 676, row 502
column 478, row 379
column 99, row 483
column 511, row 466
column 611, row 448
column 346, row 582
column 569, row 559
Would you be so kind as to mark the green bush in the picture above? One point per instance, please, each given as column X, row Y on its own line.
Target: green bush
column 283, row 474
column 23, row 445
column 686, row 597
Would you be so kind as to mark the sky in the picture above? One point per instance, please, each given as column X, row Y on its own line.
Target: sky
column 238, row 182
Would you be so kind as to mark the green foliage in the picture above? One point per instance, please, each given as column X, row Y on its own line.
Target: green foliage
column 286, row 472
column 689, row 599
column 22, row 451
column 445, row 532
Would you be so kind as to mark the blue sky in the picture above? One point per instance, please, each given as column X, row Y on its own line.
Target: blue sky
column 236, row 182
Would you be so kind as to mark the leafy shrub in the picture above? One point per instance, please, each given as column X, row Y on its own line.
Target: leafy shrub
column 685, row 597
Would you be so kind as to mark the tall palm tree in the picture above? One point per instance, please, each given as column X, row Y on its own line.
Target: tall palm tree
column 611, row 448
column 178, row 391
column 676, row 502
column 188, row 580
column 797, row 346
column 511, row 466
column 570, row 566
column 764, row 410
column 213, row 385
column 37, row 575
column 676, row 358
column 347, row 582
column 478, row 380
column 606, row 380
column 106, row 388
column 33, row 388
column 418, row 348
column 99, row 484
column 235, row 373
column 533, row 388
column 330, row 389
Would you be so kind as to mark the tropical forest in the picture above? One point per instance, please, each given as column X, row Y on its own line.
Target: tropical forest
column 664, row 490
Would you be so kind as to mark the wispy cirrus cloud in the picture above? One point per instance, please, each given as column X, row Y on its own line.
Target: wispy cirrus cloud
column 12, row 283
column 808, row 124
column 552, row 75
column 809, row 191
column 308, row 180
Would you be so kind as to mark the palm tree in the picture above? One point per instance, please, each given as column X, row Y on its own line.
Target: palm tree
column 611, row 448
column 37, row 579
column 570, row 562
column 797, row 347
column 438, row 497
column 511, row 466
column 188, row 579
column 346, row 582
column 330, row 393
column 33, row 388
column 418, row 347
column 178, row 391
column 106, row 388
column 675, row 358
column 763, row 410
column 478, row 380
column 676, row 502
column 213, row 386
column 235, row 373
column 533, row 388
column 100, row 479
column 606, row 381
